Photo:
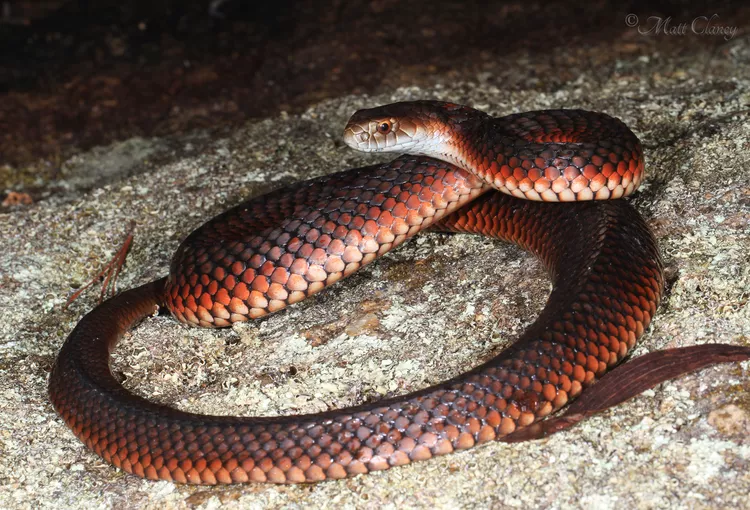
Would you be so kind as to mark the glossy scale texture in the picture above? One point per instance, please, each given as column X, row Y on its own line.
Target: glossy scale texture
column 276, row 249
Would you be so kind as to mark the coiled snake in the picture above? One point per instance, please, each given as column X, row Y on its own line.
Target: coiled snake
column 280, row 248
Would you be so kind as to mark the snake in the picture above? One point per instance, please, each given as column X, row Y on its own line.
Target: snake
column 462, row 171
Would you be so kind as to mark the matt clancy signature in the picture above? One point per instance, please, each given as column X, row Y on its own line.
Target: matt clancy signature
column 701, row 25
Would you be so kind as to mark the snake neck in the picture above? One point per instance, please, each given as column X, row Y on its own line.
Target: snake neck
column 464, row 147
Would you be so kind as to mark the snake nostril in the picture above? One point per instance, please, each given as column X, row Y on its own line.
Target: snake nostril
column 363, row 136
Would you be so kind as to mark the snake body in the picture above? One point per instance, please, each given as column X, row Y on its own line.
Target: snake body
column 277, row 249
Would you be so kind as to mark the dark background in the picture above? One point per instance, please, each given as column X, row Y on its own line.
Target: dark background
column 76, row 73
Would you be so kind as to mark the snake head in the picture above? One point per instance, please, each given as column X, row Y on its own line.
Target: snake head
column 416, row 127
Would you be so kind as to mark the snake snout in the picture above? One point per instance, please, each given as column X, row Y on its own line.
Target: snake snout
column 356, row 137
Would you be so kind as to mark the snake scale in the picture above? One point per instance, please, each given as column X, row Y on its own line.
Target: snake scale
column 277, row 249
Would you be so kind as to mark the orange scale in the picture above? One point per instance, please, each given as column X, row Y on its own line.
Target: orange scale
column 205, row 301
column 542, row 185
column 626, row 178
column 426, row 195
column 448, row 178
column 389, row 204
column 190, row 316
column 368, row 245
column 257, row 260
column 353, row 238
column 370, row 228
column 578, row 161
column 257, row 300
column 622, row 167
column 277, row 292
column 590, row 171
column 559, row 184
column 385, row 219
column 602, row 194
column 437, row 187
column 351, row 254
column 400, row 210
column 248, row 276
column 334, row 264
column 525, row 185
column 222, row 296
column 551, row 173
column 267, row 268
column 296, row 283
column 241, row 291
column 579, row 183
column 336, row 247
column 403, row 196
column 570, row 173
column 299, row 267
column 357, row 222
column 219, row 312
column 237, row 268
column 506, row 171
column 305, row 251
column 328, row 227
column 294, row 244
column 598, row 182
column 318, row 257
column 494, row 167
column 413, row 202
column 286, row 260
column 385, row 236
column 274, row 253
column 260, row 284
column 238, row 306
column 312, row 235
column 316, row 274
column 280, row 275
column 197, row 291
column 212, row 287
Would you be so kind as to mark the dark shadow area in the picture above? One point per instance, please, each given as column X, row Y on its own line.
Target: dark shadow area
column 78, row 73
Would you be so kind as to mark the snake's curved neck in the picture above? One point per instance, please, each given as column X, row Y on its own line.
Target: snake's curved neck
column 462, row 143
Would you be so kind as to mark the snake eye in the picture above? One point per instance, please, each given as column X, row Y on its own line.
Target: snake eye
column 384, row 127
